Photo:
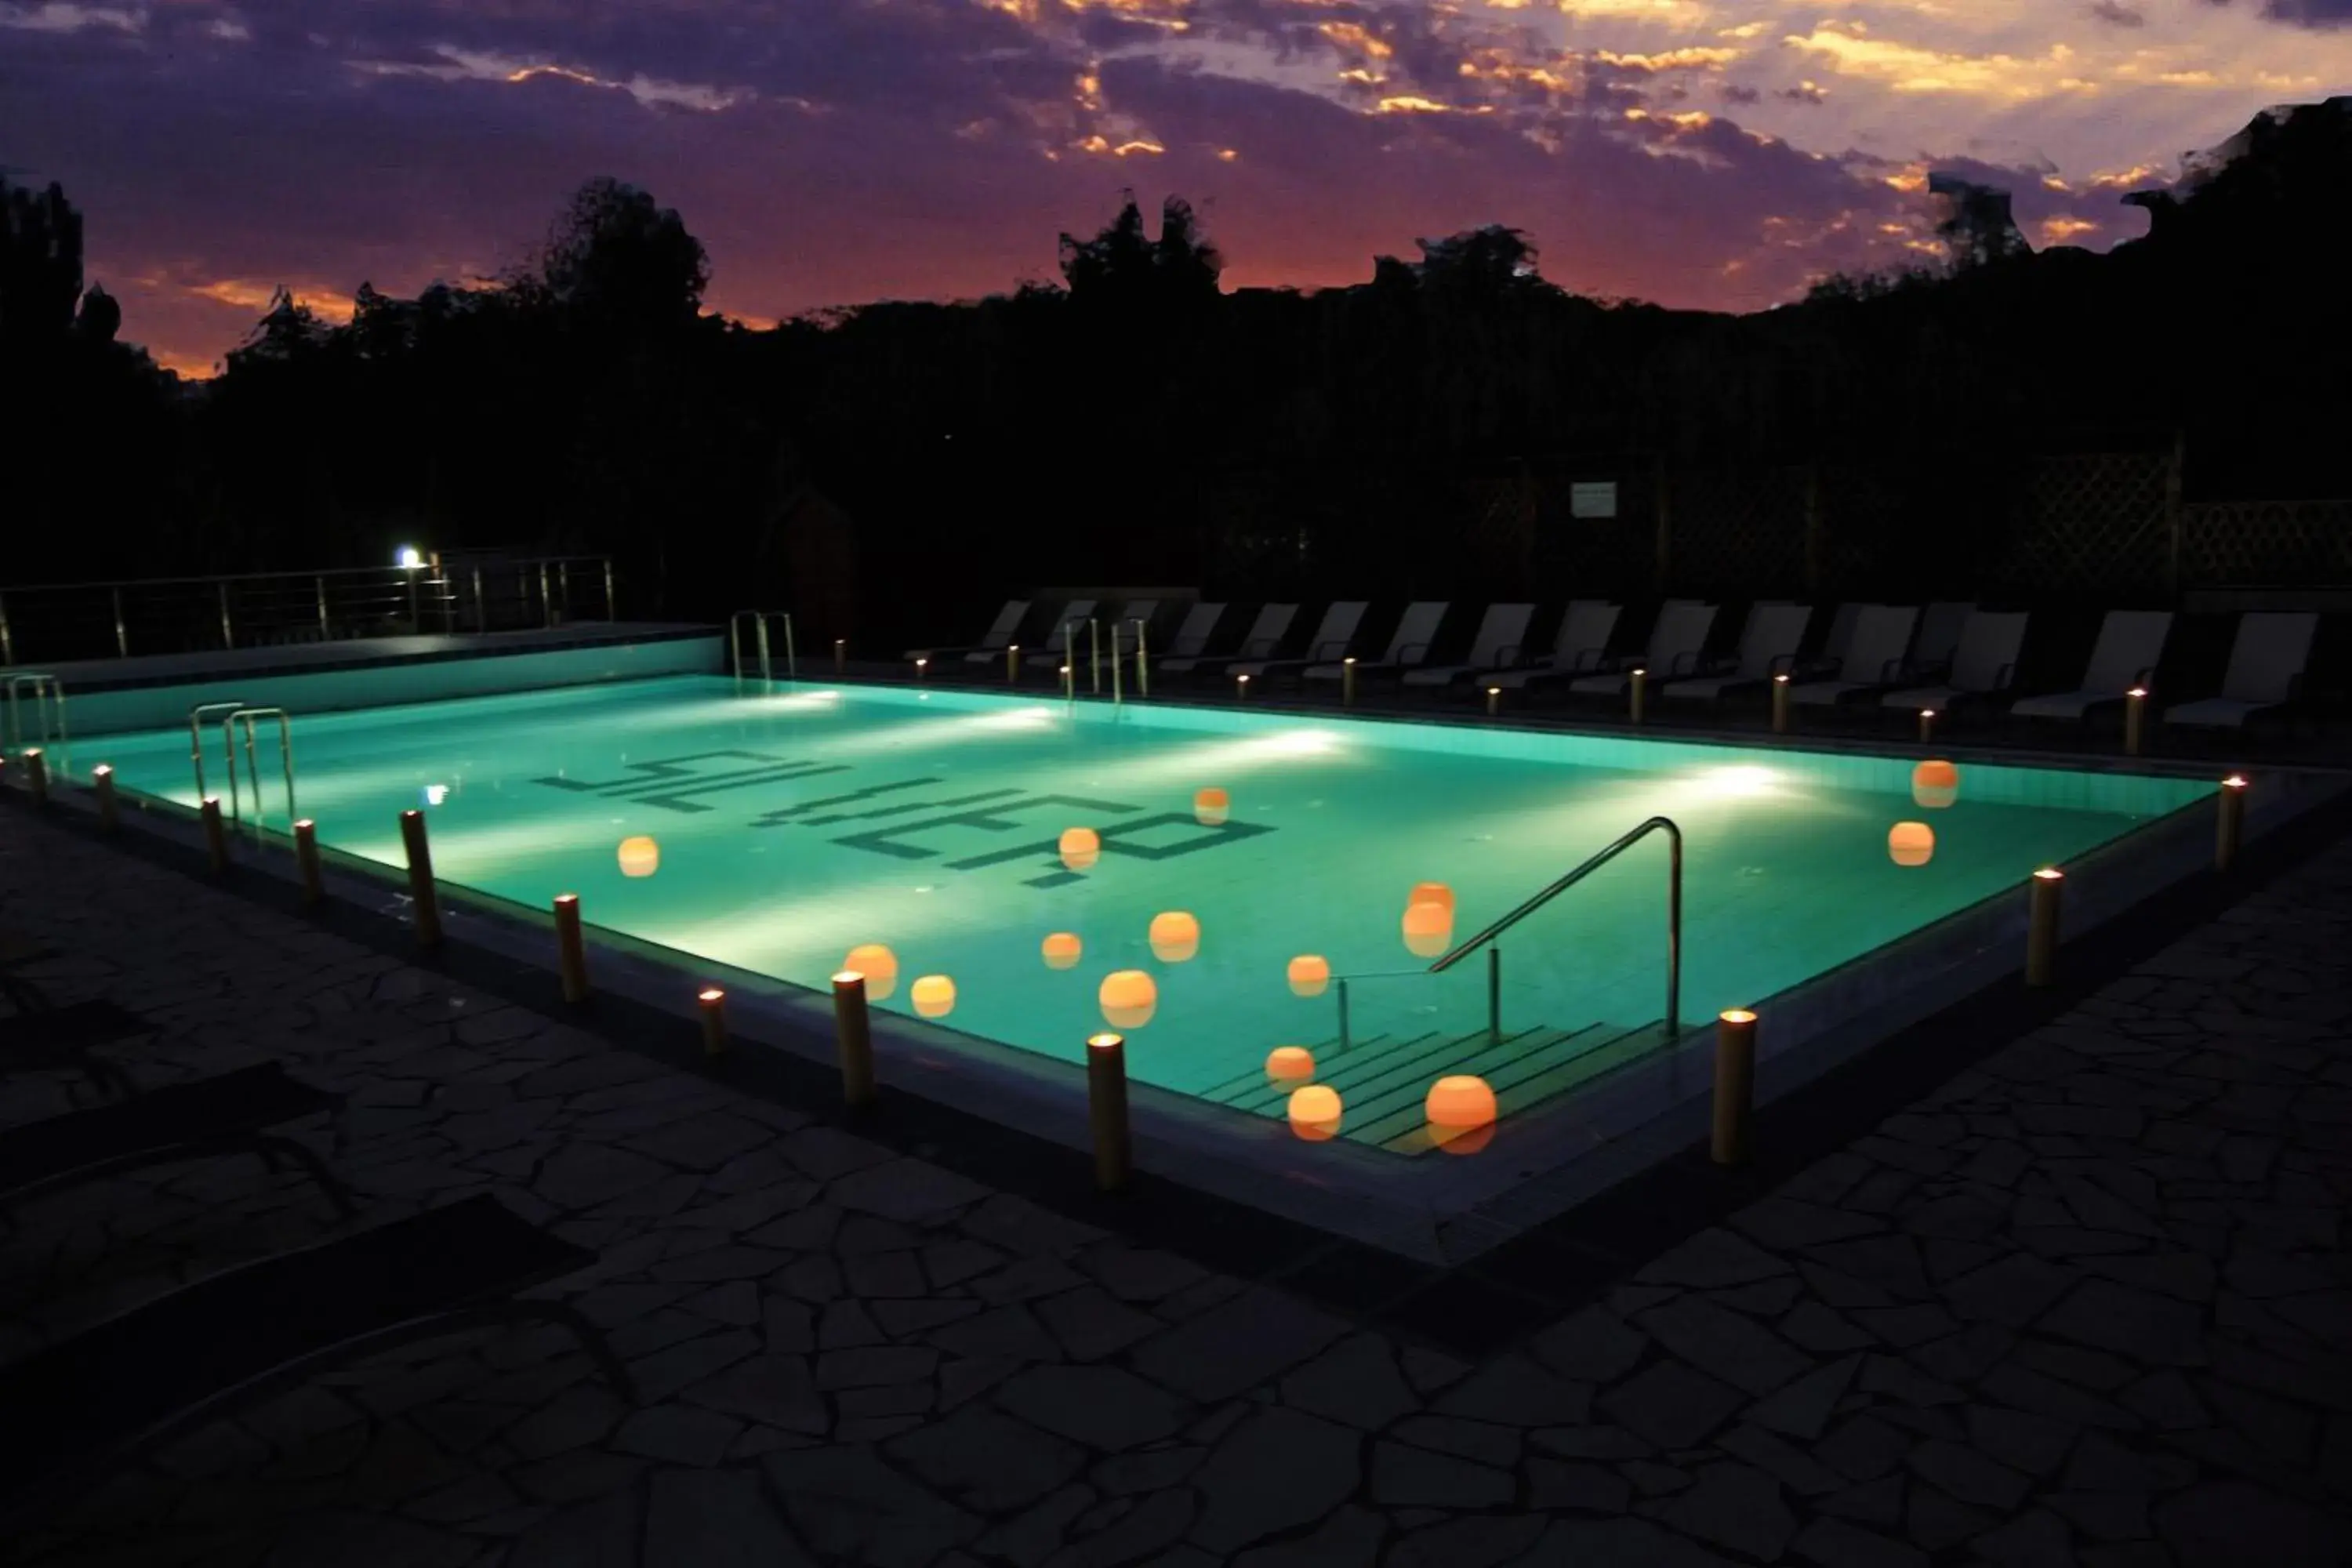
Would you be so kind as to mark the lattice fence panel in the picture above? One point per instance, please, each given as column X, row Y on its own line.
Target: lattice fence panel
column 1738, row 532
column 2095, row 524
column 2266, row 544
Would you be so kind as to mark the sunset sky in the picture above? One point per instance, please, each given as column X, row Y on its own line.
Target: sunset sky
column 1702, row 152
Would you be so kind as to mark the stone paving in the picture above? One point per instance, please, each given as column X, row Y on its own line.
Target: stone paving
column 2087, row 1303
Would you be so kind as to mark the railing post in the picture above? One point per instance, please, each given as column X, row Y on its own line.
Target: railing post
column 319, row 585
column 760, row 626
column 228, row 634
column 413, row 625
column 121, row 634
column 481, row 607
column 1093, row 652
column 564, row 586
column 546, row 604
column 1673, row 930
column 1344, row 1041
column 7, row 639
column 1142, row 662
column 1494, row 995
column 611, row 607
column 792, row 652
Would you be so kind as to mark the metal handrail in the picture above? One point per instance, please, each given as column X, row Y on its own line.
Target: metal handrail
column 759, row 619
column 197, row 738
column 253, row 768
column 1674, row 910
column 48, row 693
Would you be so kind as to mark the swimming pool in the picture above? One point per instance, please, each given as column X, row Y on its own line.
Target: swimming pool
column 773, row 830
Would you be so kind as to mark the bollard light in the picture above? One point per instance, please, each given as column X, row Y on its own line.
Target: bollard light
column 1735, row 1084
column 1241, row 688
column 2134, row 708
column 712, row 1002
column 921, row 666
column 1494, row 700
column 1348, row 681
column 1927, row 725
column 1638, row 691
column 2041, row 925
column 570, row 949
column 1779, row 705
column 420, row 878
column 2230, row 820
column 1107, row 1110
column 37, row 775
column 306, row 862
column 1012, row 664
column 110, row 812
column 852, row 1038
column 215, row 836
column 840, row 657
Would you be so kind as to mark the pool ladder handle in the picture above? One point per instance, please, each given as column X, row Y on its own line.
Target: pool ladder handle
column 196, row 716
column 1494, row 962
column 48, row 693
column 759, row 619
column 248, row 716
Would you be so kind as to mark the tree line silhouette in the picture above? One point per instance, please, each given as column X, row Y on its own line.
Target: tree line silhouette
column 884, row 467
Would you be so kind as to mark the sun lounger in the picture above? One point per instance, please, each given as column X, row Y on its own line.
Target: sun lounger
column 1502, row 627
column 1070, row 623
column 1768, row 647
column 84, row 1406
column 1579, row 647
column 1191, row 638
column 1332, row 640
column 1873, row 660
column 1941, row 626
column 2267, row 664
column 1677, row 640
column 998, row 636
column 2130, row 642
column 227, row 1114
column 1265, row 638
column 1407, row 647
column 1983, row 665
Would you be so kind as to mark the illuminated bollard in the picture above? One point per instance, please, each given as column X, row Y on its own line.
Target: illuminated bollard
column 1241, row 688
column 713, row 1003
column 1779, row 705
column 2135, row 707
column 306, row 862
column 1735, row 1084
column 1639, row 690
column 37, row 775
column 110, row 810
column 1348, row 682
column 1013, row 664
column 570, row 948
column 1069, row 685
column 922, row 669
column 1494, row 700
column 420, row 878
column 215, row 836
column 1107, row 1108
column 840, row 657
column 1927, row 725
column 2230, row 822
column 2042, row 926
column 853, row 1037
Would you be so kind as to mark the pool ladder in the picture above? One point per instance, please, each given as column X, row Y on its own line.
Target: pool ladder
column 231, row 714
column 48, row 699
column 759, row 619
column 1486, row 937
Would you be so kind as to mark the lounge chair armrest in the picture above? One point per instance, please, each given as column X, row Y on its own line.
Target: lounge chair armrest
column 1782, row 664
column 1508, row 656
column 1922, row 672
column 1259, row 647
column 1725, row 664
column 1585, row 661
column 2005, row 678
column 1405, row 654
column 1816, row 667
column 1330, row 651
column 1893, row 671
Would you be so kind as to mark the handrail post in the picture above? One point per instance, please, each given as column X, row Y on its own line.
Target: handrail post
column 1094, row 651
column 546, row 604
column 122, row 635
column 791, row 654
column 228, row 635
column 611, row 609
column 481, row 609
column 1494, row 995
column 564, row 586
column 1344, row 1041
column 413, row 624
column 1673, row 930
column 320, row 585
column 760, row 627
column 1142, row 661
column 7, row 639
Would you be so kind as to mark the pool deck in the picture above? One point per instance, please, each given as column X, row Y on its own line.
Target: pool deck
column 2077, row 1294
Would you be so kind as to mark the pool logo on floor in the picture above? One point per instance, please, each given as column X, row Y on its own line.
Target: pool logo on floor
column 911, row 822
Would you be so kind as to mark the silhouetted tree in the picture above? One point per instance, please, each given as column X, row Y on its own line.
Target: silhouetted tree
column 1977, row 228
column 41, row 261
column 615, row 253
column 100, row 317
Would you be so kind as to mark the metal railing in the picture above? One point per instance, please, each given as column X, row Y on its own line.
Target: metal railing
column 56, row 622
column 1486, row 938
column 48, row 699
column 759, row 619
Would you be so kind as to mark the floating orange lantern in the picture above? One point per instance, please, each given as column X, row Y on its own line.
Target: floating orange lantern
column 1128, row 999
column 1175, row 937
column 1081, row 847
column 1461, row 1111
column 1210, row 806
column 1310, row 975
column 640, row 856
column 1911, row 843
column 934, row 995
column 880, row 967
column 1935, row 783
column 1062, row 949
column 1315, row 1111
column 1431, row 893
column 1428, row 927
column 1290, row 1064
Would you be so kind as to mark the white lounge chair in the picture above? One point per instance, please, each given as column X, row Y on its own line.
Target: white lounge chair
column 1332, row 640
column 2267, row 664
column 1407, row 647
column 1500, row 628
column 1677, row 640
column 1768, row 646
column 1074, row 617
column 1941, row 626
column 2130, row 642
column 1266, row 635
column 1192, row 635
column 1881, row 634
column 1578, row 649
column 1983, row 665
column 1000, row 636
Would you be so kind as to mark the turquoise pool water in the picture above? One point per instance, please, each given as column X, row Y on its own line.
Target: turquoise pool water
column 792, row 825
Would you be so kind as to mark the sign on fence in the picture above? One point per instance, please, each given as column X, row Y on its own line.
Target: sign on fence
column 1592, row 499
